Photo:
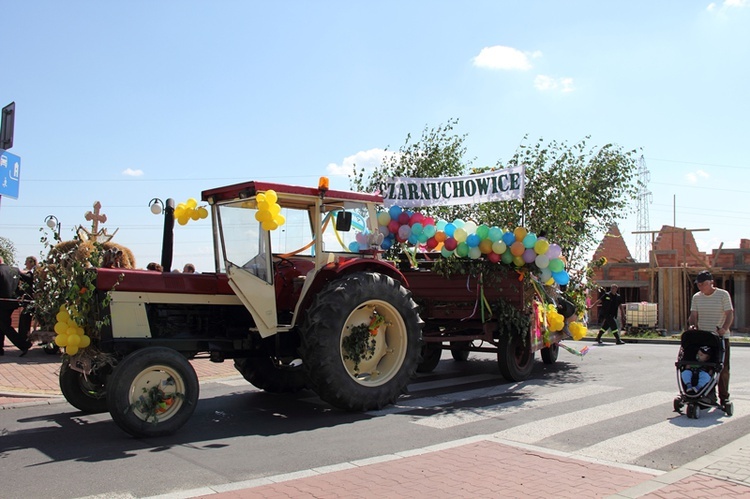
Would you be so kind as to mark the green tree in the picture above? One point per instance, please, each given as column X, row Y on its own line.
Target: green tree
column 438, row 153
column 573, row 193
column 7, row 251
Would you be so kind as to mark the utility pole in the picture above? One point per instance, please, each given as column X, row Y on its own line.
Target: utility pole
column 642, row 247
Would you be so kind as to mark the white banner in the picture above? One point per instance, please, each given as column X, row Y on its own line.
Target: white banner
column 500, row 185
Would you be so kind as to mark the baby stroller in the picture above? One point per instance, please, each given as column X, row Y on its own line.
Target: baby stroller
column 705, row 397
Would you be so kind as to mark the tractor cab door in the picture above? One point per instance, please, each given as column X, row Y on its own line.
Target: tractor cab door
column 246, row 251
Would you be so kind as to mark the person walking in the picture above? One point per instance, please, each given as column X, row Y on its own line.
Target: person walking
column 9, row 278
column 27, row 288
column 711, row 310
column 611, row 307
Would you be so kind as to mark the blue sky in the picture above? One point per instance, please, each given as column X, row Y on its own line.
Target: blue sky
column 122, row 102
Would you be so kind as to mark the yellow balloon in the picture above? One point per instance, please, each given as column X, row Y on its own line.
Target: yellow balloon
column 192, row 203
column 202, row 212
column 518, row 261
column 62, row 315
column 72, row 330
column 73, row 340
column 263, row 216
column 61, row 327
column 195, row 215
column 269, row 225
column 263, row 205
column 183, row 219
column 61, row 340
column 460, row 235
column 275, row 209
column 260, row 197
column 279, row 219
column 541, row 246
column 520, row 233
column 70, row 350
column 85, row 341
column 271, row 196
column 178, row 212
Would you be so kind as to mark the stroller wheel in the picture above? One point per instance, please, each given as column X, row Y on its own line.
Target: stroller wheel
column 729, row 409
column 678, row 404
column 693, row 411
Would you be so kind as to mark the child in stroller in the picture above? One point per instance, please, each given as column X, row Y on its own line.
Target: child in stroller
column 698, row 365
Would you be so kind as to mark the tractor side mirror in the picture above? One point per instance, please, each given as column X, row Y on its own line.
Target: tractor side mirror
column 344, row 221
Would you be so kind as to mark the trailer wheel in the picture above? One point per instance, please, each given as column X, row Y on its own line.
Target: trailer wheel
column 514, row 358
column 153, row 392
column 379, row 379
column 263, row 373
column 460, row 350
column 550, row 353
column 431, row 353
column 86, row 393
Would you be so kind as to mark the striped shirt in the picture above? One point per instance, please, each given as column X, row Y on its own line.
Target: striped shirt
column 711, row 308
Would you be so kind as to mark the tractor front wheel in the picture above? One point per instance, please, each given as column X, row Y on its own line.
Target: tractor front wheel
column 153, row 392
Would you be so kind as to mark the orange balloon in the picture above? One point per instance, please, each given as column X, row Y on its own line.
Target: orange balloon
column 485, row 246
column 520, row 233
column 440, row 236
column 517, row 248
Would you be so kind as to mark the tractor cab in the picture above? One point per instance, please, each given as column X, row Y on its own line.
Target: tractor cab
column 274, row 240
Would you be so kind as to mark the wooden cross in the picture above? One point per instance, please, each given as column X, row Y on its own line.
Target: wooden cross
column 96, row 217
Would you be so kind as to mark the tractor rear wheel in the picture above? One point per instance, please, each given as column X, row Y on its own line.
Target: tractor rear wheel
column 390, row 352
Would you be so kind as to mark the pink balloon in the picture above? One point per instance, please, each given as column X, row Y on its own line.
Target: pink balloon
column 393, row 226
column 416, row 218
column 493, row 257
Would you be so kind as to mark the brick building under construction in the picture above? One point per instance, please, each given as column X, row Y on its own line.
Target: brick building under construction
column 667, row 279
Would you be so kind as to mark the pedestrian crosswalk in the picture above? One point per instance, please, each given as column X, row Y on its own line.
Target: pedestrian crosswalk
column 658, row 427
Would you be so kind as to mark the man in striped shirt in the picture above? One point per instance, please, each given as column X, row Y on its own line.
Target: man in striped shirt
column 711, row 310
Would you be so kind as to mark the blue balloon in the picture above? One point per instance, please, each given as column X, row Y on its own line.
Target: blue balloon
column 509, row 238
column 386, row 244
column 562, row 278
column 472, row 240
column 354, row 247
column 394, row 211
column 450, row 229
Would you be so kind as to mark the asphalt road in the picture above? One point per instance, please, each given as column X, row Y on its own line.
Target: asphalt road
column 614, row 404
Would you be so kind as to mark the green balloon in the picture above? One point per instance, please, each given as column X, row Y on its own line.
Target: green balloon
column 556, row 265
column 507, row 257
column 483, row 231
column 462, row 249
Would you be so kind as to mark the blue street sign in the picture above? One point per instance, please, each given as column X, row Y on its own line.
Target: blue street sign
column 10, row 174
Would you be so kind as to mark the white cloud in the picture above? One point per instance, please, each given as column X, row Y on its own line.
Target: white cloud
column 546, row 83
column 368, row 160
column 694, row 177
column 129, row 172
column 727, row 4
column 501, row 57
